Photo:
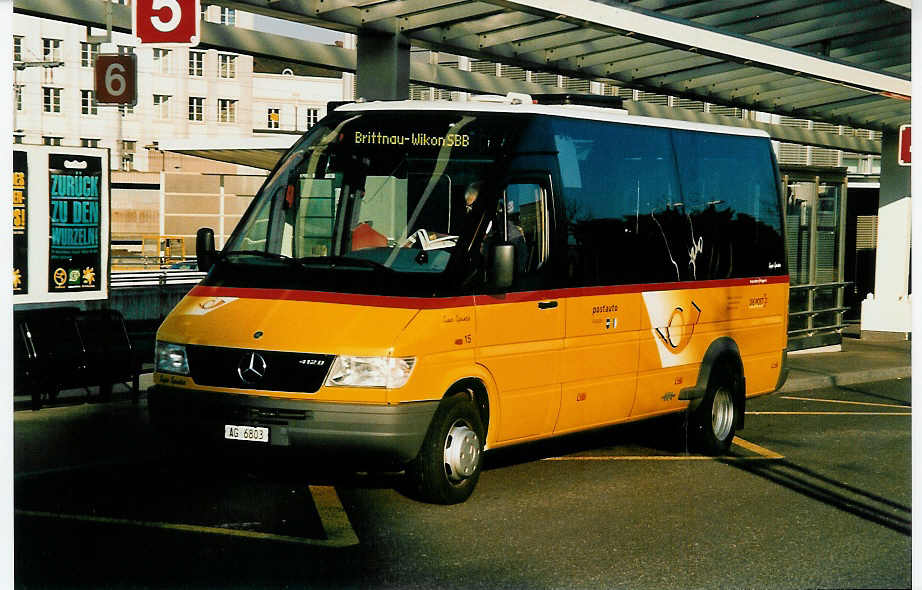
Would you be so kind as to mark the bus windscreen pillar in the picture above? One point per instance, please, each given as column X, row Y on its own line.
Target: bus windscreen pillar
column 382, row 67
column 889, row 307
column 60, row 224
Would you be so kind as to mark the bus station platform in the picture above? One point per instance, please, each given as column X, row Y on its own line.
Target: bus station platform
column 857, row 361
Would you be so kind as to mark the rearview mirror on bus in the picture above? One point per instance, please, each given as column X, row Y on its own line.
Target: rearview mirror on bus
column 502, row 266
column 204, row 248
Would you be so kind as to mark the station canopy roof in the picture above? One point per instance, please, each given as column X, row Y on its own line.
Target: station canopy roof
column 262, row 151
column 839, row 61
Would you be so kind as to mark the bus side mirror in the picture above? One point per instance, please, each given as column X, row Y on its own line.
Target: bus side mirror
column 502, row 267
column 205, row 254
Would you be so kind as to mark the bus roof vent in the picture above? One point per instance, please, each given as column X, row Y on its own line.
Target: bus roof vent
column 588, row 100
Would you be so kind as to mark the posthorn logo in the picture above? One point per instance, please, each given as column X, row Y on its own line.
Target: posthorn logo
column 251, row 368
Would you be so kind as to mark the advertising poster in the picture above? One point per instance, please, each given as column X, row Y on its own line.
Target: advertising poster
column 74, row 260
column 20, row 217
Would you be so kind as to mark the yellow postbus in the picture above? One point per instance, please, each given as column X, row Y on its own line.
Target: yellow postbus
column 417, row 283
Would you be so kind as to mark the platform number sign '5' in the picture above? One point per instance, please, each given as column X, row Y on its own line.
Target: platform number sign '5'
column 166, row 22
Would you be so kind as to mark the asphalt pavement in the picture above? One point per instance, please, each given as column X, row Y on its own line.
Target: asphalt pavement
column 815, row 493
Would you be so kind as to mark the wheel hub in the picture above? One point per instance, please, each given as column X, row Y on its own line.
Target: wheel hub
column 462, row 452
column 722, row 414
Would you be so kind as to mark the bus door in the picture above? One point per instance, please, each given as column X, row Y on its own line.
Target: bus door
column 520, row 333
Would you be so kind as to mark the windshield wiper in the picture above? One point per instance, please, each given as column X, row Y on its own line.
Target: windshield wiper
column 334, row 261
column 258, row 253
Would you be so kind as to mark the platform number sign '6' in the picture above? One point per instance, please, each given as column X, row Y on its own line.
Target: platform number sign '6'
column 166, row 22
column 116, row 79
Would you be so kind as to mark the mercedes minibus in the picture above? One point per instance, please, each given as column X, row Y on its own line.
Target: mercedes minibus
column 417, row 283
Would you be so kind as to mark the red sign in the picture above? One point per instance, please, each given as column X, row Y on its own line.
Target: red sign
column 116, row 79
column 905, row 157
column 166, row 22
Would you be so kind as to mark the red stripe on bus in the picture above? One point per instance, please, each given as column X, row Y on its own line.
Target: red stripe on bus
column 466, row 300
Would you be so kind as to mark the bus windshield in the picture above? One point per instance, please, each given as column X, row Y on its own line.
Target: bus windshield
column 375, row 190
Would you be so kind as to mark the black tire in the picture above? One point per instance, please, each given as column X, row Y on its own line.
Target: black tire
column 714, row 422
column 455, row 437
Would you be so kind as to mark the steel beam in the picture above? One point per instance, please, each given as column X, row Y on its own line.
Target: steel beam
column 688, row 36
column 444, row 17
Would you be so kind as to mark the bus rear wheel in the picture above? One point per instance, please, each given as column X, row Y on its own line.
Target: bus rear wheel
column 715, row 421
column 447, row 468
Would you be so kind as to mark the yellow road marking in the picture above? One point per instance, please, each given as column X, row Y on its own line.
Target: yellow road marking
column 332, row 515
column 829, row 413
column 758, row 450
column 762, row 452
column 839, row 401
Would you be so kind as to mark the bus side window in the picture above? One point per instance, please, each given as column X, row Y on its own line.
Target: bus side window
column 626, row 173
column 523, row 210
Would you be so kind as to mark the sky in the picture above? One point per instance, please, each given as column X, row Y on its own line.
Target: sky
column 293, row 29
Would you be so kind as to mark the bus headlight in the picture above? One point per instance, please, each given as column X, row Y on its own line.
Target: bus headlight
column 370, row 371
column 171, row 358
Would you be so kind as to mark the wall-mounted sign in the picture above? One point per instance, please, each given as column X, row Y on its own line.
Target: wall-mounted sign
column 74, row 259
column 905, row 145
column 20, row 219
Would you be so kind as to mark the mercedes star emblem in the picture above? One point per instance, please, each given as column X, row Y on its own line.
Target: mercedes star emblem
column 251, row 368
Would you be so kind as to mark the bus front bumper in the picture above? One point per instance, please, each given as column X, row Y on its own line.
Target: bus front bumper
column 376, row 434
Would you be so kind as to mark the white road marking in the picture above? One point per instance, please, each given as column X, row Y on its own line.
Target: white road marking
column 839, row 401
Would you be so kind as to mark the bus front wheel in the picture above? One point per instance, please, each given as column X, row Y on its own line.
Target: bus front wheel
column 447, row 467
column 714, row 422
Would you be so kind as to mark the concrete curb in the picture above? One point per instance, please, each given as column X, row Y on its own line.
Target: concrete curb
column 805, row 380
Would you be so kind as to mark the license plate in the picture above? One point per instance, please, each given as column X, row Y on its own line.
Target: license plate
column 246, row 433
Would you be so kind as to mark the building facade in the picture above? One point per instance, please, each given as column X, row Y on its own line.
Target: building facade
column 182, row 93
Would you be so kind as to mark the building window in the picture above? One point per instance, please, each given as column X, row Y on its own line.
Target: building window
column 196, row 108
column 88, row 102
column 227, row 66
column 51, row 49
column 125, row 50
column 203, row 12
column 228, row 16
column 161, row 60
column 19, row 138
column 51, row 140
column 227, row 110
column 313, row 115
column 88, row 142
column 18, row 96
column 162, row 106
column 17, row 48
column 125, row 109
column 128, row 148
column 272, row 119
column 51, row 99
column 196, row 63
column 88, row 53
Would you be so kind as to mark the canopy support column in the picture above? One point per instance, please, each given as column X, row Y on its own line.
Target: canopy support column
column 889, row 308
column 382, row 67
